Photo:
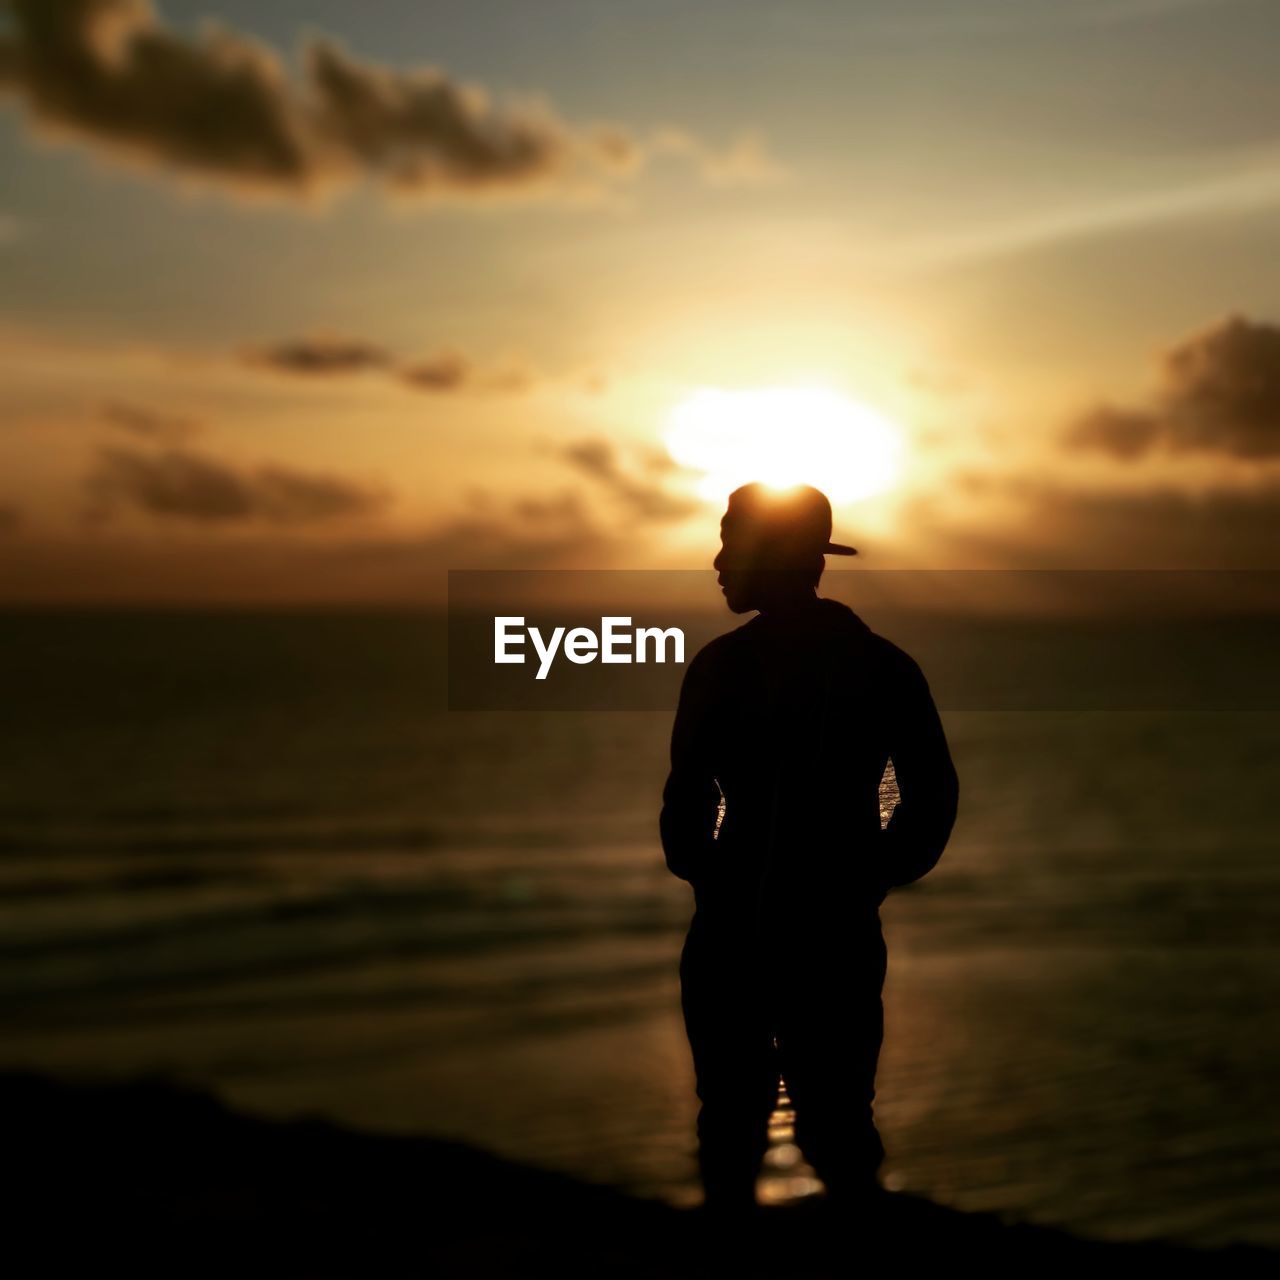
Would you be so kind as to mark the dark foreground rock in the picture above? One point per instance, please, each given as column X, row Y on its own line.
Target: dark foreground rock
column 151, row 1179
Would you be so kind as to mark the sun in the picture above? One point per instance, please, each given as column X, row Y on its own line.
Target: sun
column 784, row 436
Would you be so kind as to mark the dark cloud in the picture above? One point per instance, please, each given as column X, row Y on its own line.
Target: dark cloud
column 10, row 519
column 640, row 495
column 421, row 131
column 1162, row 529
column 1042, row 522
column 1218, row 392
column 448, row 371
column 319, row 355
column 263, row 564
column 109, row 72
column 443, row 371
column 1223, row 389
column 223, row 109
column 181, row 484
column 149, row 424
column 657, row 460
column 526, row 533
column 1124, row 432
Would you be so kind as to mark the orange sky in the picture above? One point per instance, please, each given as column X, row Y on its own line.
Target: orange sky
column 373, row 296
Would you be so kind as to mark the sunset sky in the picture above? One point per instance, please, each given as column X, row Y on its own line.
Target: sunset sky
column 313, row 301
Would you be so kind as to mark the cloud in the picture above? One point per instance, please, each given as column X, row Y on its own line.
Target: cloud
column 10, row 519
column 224, row 110
column 747, row 162
column 642, row 497
column 1123, row 432
column 264, row 564
column 1218, row 392
column 1162, row 529
column 1050, row 519
column 149, row 424
column 108, row 72
column 446, row 370
column 526, row 532
column 420, row 130
column 181, row 484
column 319, row 355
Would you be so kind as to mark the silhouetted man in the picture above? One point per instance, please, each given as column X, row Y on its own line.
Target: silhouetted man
column 772, row 813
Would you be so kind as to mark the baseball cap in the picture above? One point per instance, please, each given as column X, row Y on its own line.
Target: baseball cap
column 796, row 520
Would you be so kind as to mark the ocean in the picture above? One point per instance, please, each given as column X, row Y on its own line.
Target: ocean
column 255, row 852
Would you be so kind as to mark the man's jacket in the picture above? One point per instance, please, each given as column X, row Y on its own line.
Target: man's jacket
column 772, row 807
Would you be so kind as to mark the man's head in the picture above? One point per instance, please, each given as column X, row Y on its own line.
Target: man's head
column 772, row 544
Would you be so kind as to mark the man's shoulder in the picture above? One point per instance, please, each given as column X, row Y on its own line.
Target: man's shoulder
column 892, row 655
column 897, row 674
column 867, row 648
column 893, row 661
column 841, row 621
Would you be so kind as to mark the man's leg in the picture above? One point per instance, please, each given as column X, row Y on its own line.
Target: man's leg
column 736, row 1068
column 830, row 1032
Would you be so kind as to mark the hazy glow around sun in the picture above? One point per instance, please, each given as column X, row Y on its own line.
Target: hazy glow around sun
column 784, row 436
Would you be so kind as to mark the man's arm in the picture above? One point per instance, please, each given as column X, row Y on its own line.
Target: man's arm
column 690, row 796
column 928, row 788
